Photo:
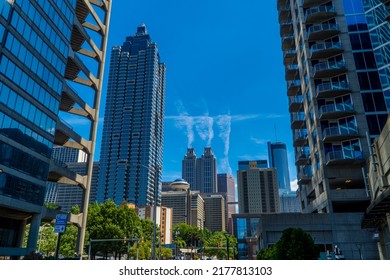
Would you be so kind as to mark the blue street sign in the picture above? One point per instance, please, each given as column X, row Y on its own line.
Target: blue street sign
column 61, row 221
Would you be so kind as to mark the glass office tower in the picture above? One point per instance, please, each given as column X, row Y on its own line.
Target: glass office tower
column 132, row 141
column 277, row 156
column 45, row 47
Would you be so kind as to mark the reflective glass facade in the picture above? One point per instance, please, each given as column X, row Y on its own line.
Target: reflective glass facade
column 244, row 229
column 277, row 154
column 41, row 54
column 377, row 15
column 132, row 141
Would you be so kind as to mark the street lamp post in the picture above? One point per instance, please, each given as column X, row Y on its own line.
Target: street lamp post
column 227, row 245
column 155, row 169
column 201, row 237
column 156, row 174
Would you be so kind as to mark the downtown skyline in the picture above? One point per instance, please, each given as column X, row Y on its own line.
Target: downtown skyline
column 225, row 85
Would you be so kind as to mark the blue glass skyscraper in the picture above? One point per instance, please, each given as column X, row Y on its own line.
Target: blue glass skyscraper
column 132, row 141
column 277, row 156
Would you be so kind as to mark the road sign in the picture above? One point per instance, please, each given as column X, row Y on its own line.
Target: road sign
column 61, row 221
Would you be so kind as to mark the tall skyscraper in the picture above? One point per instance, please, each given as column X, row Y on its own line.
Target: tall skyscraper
column 335, row 96
column 200, row 173
column 215, row 213
column 51, row 64
column 226, row 187
column 189, row 169
column 277, row 156
column 257, row 189
column 132, row 141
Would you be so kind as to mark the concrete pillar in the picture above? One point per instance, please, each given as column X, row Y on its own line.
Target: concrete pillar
column 33, row 234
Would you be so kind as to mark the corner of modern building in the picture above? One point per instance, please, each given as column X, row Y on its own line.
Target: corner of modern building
column 52, row 57
column 338, row 97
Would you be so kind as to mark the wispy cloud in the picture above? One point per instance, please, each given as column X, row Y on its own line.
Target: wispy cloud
column 258, row 141
column 224, row 126
column 203, row 126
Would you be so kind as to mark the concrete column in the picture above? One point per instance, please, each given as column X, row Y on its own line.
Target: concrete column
column 33, row 234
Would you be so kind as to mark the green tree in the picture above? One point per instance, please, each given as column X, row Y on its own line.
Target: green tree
column 109, row 221
column 267, row 254
column 47, row 240
column 295, row 244
column 217, row 245
column 164, row 253
column 68, row 242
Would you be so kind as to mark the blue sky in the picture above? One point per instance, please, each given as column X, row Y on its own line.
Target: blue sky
column 225, row 84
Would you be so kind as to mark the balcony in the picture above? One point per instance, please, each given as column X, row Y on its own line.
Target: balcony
column 293, row 87
column 344, row 158
column 333, row 134
column 290, row 57
column 302, row 157
column 321, row 32
column 300, row 137
column 332, row 89
column 286, row 27
column 291, row 71
column 297, row 120
column 319, row 14
column 288, row 42
column 284, row 12
column 336, row 111
column 325, row 50
column 295, row 103
column 329, row 69
column 305, row 174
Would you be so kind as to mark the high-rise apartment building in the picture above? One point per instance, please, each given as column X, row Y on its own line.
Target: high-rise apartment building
column 200, row 173
column 277, row 157
column 257, row 189
column 52, row 57
column 132, row 141
column 335, row 96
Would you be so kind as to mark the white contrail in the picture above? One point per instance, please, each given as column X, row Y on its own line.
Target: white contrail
column 204, row 128
column 224, row 125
